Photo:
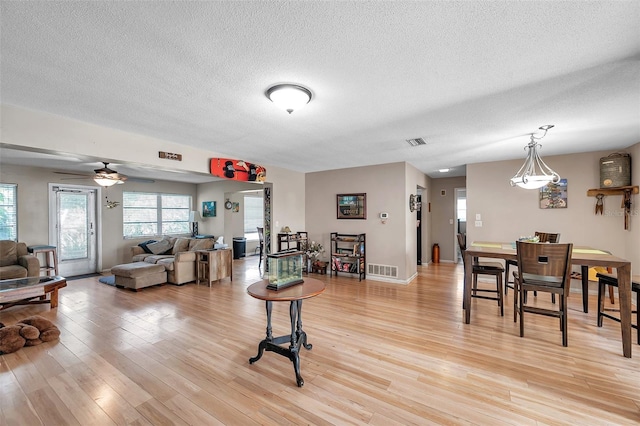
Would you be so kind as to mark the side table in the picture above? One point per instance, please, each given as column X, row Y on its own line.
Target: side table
column 294, row 294
column 50, row 264
column 213, row 265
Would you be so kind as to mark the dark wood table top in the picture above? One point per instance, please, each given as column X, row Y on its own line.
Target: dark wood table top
column 309, row 288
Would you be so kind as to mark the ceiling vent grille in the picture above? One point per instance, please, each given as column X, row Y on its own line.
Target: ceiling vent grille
column 416, row 142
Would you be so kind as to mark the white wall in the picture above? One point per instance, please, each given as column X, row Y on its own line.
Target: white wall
column 508, row 213
column 387, row 187
column 443, row 210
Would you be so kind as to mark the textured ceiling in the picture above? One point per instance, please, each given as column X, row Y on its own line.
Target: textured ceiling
column 472, row 78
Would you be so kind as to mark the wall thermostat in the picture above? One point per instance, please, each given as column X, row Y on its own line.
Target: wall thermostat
column 384, row 215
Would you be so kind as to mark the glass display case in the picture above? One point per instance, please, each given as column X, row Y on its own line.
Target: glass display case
column 285, row 269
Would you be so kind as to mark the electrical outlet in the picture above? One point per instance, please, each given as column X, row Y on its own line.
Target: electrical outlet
column 478, row 224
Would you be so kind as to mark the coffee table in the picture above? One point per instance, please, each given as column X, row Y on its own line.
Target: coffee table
column 30, row 290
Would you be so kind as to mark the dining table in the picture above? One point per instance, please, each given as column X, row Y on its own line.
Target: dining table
column 581, row 255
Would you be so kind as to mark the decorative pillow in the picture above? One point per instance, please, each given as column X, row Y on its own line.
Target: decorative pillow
column 159, row 246
column 181, row 244
column 8, row 253
column 144, row 246
column 201, row 244
column 172, row 240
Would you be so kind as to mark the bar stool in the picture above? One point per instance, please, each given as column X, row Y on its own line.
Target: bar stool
column 50, row 264
column 612, row 280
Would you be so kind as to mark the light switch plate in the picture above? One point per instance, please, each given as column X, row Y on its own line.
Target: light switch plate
column 478, row 217
column 478, row 224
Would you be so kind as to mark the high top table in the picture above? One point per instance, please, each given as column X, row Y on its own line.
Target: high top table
column 583, row 256
column 294, row 294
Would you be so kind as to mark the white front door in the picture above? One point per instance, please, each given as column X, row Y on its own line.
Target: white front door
column 72, row 228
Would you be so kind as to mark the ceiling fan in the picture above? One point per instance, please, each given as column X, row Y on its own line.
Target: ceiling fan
column 105, row 176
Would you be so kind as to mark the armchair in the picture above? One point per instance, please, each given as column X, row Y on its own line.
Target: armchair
column 16, row 262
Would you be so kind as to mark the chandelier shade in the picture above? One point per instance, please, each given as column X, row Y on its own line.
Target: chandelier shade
column 289, row 97
column 534, row 173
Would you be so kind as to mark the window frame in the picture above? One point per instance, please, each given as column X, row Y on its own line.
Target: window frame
column 11, row 206
column 252, row 235
column 160, row 224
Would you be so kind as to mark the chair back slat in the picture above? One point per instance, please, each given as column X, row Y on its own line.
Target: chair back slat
column 544, row 260
column 461, row 242
column 547, row 237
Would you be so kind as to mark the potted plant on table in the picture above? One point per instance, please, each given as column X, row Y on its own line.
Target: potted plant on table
column 313, row 252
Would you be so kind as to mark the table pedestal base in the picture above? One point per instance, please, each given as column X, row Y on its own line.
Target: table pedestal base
column 297, row 339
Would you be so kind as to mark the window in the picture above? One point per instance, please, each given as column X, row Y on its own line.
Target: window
column 8, row 211
column 253, row 216
column 462, row 209
column 150, row 214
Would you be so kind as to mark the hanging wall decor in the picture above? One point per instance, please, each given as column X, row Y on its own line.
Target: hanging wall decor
column 352, row 206
column 554, row 195
column 208, row 209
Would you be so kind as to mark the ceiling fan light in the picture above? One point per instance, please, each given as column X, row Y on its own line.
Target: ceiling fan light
column 104, row 181
column 289, row 96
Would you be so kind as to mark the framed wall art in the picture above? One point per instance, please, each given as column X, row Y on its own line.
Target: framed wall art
column 208, row 209
column 554, row 195
column 351, row 206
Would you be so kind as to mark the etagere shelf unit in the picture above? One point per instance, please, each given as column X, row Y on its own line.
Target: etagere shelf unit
column 348, row 254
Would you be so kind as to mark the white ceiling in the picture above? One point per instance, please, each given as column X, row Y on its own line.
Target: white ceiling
column 472, row 78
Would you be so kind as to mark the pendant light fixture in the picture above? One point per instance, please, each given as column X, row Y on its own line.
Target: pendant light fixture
column 289, row 97
column 534, row 173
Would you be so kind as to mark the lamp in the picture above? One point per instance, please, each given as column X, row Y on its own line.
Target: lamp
column 289, row 96
column 105, row 181
column 534, row 173
column 194, row 217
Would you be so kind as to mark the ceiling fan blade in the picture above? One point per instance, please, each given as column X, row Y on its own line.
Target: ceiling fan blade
column 73, row 174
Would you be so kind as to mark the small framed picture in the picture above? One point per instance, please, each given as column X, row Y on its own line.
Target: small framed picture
column 554, row 195
column 352, row 206
column 208, row 209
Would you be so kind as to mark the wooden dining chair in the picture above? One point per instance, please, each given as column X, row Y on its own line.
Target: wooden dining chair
column 484, row 268
column 543, row 237
column 611, row 281
column 545, row 268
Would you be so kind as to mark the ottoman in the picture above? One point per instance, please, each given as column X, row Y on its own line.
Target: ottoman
column 139, row 275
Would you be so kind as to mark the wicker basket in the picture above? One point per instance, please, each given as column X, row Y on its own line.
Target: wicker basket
column 615, row 170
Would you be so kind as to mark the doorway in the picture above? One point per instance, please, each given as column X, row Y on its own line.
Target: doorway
column 419, row 226
column 461, row 221
column 72, row 228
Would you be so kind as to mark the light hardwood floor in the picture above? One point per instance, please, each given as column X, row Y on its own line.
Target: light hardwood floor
column 383, row 354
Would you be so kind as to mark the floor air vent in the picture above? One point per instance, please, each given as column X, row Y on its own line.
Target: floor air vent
column 382, row 270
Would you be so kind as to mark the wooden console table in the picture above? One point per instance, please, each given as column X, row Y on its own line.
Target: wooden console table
column 25, row 291
column 294, row 294
column 214, row 265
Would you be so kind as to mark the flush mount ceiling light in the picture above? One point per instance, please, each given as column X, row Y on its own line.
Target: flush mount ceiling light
column 443, row 170
column 289, row 96
column 534, row 173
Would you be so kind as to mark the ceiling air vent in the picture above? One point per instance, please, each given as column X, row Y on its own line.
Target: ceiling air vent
column 416, row 142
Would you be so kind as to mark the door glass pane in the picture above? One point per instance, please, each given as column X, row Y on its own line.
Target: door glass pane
column 74, row 230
